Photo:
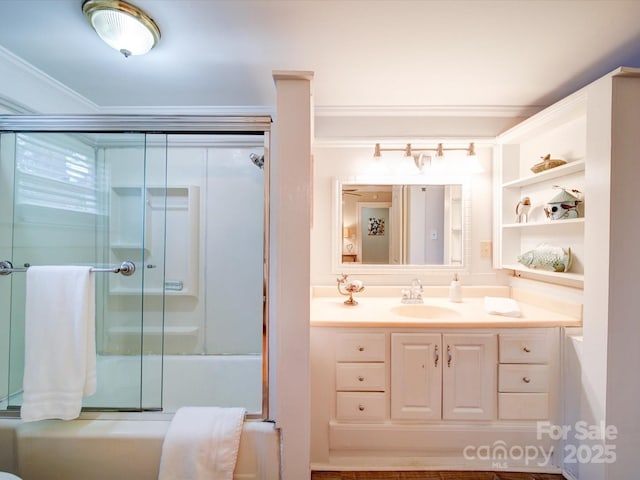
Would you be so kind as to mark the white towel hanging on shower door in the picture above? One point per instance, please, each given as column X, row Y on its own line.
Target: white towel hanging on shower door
column 60, row 347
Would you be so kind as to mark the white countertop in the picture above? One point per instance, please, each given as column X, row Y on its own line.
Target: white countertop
column 376, row 311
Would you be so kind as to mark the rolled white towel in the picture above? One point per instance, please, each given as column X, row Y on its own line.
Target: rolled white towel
column 507, row 307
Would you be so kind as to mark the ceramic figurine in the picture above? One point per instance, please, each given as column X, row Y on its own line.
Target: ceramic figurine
column 547, row 257
column 564, row 205
column 522, row 210
column 350, row 287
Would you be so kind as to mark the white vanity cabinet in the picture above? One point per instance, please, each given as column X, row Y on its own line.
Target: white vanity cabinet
column 448, row 376
column 392, row 395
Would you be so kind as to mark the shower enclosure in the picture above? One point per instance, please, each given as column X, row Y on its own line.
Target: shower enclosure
column 185, row 200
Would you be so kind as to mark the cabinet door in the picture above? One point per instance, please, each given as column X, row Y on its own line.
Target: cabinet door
column 469, row 389
column 416, row 376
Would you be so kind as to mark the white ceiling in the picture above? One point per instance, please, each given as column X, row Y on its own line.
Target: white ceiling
column 364, row 53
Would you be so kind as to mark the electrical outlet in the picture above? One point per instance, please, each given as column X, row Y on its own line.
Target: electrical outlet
column 485, row 249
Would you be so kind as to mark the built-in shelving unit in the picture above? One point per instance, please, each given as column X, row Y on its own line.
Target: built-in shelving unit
column 157, row 228
column 560, row 131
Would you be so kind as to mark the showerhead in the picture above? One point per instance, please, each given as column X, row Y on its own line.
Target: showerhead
column 258, row 160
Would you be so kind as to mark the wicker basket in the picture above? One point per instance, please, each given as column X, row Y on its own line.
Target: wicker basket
column 547, row 163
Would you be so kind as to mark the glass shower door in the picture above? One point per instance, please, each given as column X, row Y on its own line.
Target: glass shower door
column 80, row 199
column 189, row 207
column 7, row 145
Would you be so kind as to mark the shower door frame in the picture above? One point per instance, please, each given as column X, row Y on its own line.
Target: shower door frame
column 171, row 124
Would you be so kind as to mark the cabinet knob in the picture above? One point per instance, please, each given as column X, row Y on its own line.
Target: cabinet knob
column 360, row 349
column 526, row 349
column 360, row 378
column 449, row 357
column 361, row 407
column 526, row 379
column 436, row 355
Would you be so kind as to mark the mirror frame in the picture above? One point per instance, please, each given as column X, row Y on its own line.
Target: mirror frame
column 338, row 267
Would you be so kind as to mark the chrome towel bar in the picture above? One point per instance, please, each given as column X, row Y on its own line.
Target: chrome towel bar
column 126, row 268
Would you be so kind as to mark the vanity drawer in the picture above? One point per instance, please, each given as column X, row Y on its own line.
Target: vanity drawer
column 361, row 347
column 524, row 348
column 360, row 406
column 360, row 376
column 523, row 406
column 523, row 378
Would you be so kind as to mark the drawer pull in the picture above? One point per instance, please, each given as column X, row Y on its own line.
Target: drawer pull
column 436, row 354
column 360, row 378
column 449, row 355
column 526, row 379
column 361, row 407
column 360, row 348
column 526, row 349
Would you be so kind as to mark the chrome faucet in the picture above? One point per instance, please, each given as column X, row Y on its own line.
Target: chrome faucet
column 414, row 293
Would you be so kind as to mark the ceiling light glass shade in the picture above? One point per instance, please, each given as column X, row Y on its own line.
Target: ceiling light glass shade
column 122, row 26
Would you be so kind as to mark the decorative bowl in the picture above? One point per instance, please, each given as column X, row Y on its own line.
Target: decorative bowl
column 547, row 163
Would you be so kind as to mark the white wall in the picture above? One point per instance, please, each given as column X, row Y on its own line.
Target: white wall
column 331, row 161
column 289, row 275
column 623, row 382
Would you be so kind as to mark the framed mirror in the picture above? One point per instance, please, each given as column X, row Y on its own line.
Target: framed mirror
column 381, row 226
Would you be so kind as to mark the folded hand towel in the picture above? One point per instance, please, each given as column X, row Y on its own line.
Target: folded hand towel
column 60, row 347
column 507, row 307
column 202, row 443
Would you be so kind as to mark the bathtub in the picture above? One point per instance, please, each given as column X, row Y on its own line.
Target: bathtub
column 193, row 380
column 99, row 446
column 99, row 449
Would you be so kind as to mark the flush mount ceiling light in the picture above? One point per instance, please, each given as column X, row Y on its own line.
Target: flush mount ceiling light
column 122, row 26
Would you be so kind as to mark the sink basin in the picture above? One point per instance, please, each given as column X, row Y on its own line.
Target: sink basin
column 426, row 312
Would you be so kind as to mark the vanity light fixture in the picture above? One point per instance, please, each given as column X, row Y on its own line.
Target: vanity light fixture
column 417, row 153
column 122, row 26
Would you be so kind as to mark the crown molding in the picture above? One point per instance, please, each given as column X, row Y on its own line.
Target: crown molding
column 492, row 111
column 14, row 107
column 24, row 67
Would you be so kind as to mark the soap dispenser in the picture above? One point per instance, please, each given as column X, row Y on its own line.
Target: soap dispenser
column 455, row 290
